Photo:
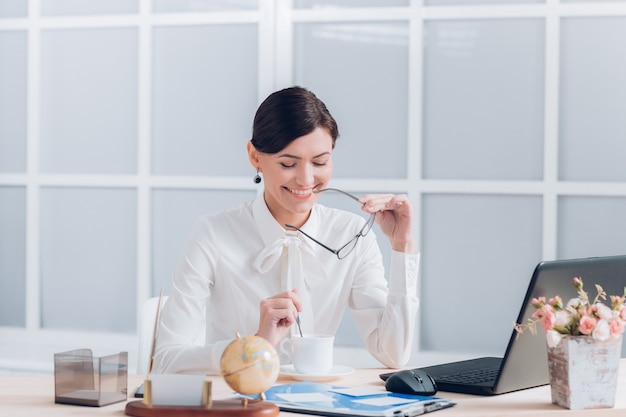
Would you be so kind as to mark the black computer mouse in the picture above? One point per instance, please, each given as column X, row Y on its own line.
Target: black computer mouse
column 411, row 381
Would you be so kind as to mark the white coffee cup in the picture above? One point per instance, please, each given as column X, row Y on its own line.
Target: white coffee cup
column 311, row 354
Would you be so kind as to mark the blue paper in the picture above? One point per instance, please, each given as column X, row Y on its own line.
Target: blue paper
column 329, row 400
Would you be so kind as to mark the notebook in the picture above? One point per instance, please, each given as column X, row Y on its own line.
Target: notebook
column 328, row 400
column 525, row 362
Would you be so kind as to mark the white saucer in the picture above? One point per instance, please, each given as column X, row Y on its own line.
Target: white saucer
column 335, row 372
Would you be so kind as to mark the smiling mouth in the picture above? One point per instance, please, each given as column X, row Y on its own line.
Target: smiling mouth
column 300, row 192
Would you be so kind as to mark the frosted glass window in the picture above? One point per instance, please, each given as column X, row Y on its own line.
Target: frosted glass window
column 483, row 99
column 12, row 256
column 13, row 72
column 587, row 1
column 360, row 70
column 349, row 3
column 471, row 2
column 203, row 5
column 82, row 7
column 481, row 250
column 13, row 8
column 88, row 259
column 204, row 99
column 593, row 96
column 591, row 226
column 89, row 101
column 174, row 213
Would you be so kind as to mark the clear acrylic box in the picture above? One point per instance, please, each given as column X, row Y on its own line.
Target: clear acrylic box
column 82, row 379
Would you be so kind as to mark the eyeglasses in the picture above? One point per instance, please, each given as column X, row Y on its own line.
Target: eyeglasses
column 346, row 249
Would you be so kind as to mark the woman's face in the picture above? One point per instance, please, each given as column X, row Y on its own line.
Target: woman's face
column 291, row 175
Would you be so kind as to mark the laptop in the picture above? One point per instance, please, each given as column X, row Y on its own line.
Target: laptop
column 525, row 362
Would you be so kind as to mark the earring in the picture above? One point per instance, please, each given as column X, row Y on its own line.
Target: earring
column 257, row 177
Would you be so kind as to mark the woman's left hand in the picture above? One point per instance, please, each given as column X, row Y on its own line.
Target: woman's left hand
column 393, row 216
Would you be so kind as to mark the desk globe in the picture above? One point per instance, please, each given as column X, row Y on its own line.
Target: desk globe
column 250, row 365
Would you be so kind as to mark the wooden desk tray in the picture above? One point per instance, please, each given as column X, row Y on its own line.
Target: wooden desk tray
column 231, row 408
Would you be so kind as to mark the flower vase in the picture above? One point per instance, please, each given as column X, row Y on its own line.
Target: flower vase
column 583, row 372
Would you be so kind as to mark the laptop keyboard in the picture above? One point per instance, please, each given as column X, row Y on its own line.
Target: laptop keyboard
column 474, row 376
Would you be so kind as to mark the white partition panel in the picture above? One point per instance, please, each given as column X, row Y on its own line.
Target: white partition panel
column 587, row 1
column 12, row 256
column 494, row 97
column 593, row 94
column 13, row 101
column 348, row 3
column 13, row 8
column 89, row 101
column 591, row 226
column 477, row 2
column 204, row 99
column 203, row 5
column 479, row 252
column 91, row 7
column 88, row 259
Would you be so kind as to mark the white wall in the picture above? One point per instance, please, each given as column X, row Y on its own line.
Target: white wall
column 121, row 121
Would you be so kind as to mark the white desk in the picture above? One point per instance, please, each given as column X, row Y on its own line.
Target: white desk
column 34, row 396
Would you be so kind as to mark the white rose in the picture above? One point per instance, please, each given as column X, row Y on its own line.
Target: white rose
column 602, row 331
column 553, row 338
column 573, row 302
column 604, row 312
column 562, row 318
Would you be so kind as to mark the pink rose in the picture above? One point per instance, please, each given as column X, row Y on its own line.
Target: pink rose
column 622, row 314
column 578, row 283
column 586, row 325
column 547, row 320
column 616, row 327
column 538, row 302
column 556, row 302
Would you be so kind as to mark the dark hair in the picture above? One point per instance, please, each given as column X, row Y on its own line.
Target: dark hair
column 286, row 115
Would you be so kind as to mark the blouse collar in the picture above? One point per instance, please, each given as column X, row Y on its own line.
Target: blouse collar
column 271, row 230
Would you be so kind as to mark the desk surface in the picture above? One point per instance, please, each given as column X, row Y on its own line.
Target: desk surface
column 34, row 396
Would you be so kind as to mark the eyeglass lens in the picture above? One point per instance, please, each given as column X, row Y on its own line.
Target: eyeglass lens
column 346, row 249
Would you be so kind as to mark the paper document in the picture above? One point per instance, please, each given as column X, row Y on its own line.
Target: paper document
column 328, row 400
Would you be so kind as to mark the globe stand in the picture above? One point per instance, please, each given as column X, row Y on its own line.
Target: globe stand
column 245, row 401
column 249, row 365
column 244, row 407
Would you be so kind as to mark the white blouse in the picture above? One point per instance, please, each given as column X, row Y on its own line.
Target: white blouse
column 238, row 257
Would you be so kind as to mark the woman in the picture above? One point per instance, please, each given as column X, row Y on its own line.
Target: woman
column 255, row 268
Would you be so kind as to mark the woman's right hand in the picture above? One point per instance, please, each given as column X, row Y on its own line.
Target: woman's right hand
column 278, row 314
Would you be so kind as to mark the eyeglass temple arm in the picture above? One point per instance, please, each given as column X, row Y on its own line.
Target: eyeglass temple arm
column 337, row 190
column 312, row 238
column 371, row 220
